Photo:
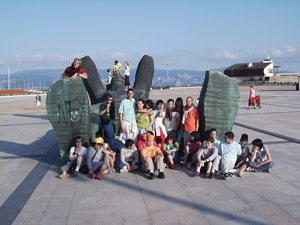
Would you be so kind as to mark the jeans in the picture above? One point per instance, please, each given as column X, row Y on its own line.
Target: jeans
column 175, row 156
column 173, row 133
column 109, row 130
column 262, row 168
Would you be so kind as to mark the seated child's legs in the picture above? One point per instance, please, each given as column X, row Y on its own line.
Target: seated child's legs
column 264, row 167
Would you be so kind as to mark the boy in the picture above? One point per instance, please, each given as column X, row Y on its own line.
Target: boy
column 260, row 159
column 129, row 157
column 110, row 76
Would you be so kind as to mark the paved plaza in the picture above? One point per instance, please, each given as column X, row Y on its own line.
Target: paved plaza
column 32, row 193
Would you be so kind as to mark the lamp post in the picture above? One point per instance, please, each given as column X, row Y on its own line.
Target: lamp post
column 167, row 74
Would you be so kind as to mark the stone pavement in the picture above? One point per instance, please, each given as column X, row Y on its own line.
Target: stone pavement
column 32, row 193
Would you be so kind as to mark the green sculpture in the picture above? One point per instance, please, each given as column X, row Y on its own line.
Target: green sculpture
column 218, row 103
column 68, row 103
column 68, row 111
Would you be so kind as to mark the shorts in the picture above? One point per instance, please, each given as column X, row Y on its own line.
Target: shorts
column 38, row 103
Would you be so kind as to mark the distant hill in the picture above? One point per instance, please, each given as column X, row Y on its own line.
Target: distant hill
column 43, row 79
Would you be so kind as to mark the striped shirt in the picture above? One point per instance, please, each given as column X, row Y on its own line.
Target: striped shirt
column 127, row 108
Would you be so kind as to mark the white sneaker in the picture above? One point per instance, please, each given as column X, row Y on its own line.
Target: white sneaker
column 250, row 169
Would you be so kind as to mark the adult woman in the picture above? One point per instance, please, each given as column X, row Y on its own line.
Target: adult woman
column 93, row 157
column 77, row 155
column 144, row 120
column 179, row 108
column 75, row 70
column 206, row 156
column 127, row 75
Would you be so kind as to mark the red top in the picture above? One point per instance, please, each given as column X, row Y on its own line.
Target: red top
column 68, row 71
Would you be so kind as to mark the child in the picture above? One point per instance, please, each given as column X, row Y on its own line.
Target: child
column 206, row 156
column 213, row 134
column 170, row 149
column 260, row 159
column 191, row 150
column 127, row 75
column 110, row 76
column 129, row 157
column 245, row 151
column 159, row 128
column 109, row 158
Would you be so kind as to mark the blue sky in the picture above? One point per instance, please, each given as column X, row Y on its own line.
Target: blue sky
column 190, row 34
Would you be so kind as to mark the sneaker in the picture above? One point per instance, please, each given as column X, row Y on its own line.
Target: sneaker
column 226, row 176
column 212, row 175
column 121, row 170
column 63, row 176
column 75, row 174
column 207, row 175
column 98, row 177
column 167, row 165
column 250, row 169
column 183, row 163
column 151, row 176
column 267, row 170
column 196, row 174
column 161, row 175
column 172, row 166
column 189, row 165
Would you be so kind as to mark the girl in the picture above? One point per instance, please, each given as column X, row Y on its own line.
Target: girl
column 191, row 150
column 245, row 151
column 144, row 119
column 127, row 75
column 170, row 149
column 206, row 156
column 179, row 108
column 129, row 157
column 77, row 155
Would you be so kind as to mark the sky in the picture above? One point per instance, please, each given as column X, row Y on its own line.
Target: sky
column 191, row 35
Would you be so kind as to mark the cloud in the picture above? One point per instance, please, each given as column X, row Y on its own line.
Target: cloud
column 291, row 49
column 226, row 55
column 117, row 55
column 19, row 59
column 277, row 53
column 2, row 62
column 35, row 58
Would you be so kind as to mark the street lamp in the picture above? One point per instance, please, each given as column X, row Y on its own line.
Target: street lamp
column 167, row 74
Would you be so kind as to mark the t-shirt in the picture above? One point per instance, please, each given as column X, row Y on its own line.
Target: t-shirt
column 151, row 151
column 105, row 118
column 171, row 124
column 109, row 76
column 82, row 152
column 169, row 147
column 127, row 107
column 190, row 121
column 68, row 71
column 208, row 153
column 261, row 156
column 129, row 156
column 230, row 151
column 216, row 143
column 127, row 71
column 144, row 122
column 117, row 67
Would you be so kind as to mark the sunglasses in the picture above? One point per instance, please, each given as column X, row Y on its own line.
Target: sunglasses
column 78, row 141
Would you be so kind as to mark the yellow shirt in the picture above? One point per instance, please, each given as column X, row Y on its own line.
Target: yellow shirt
column 151, row 151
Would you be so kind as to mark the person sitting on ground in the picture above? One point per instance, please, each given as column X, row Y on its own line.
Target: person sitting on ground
column 75, row 70
column 260, row 159
column 159, row 128
column 144, row 122
column 213, row 134
column 206, row 157
column 152, row 159
column 142, row 142
column 93, row 159
column 129, row 157
column 245, row 152
column 170, row 149
column 110, row 77
column 228, row 152
column 191, row 150
column 76, row 156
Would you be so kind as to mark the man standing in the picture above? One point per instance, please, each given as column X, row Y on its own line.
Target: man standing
column 190, row 120
column 127, row 118
column 106, row 122
column 153, row 159
column 38, row 100
column 228, row 152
